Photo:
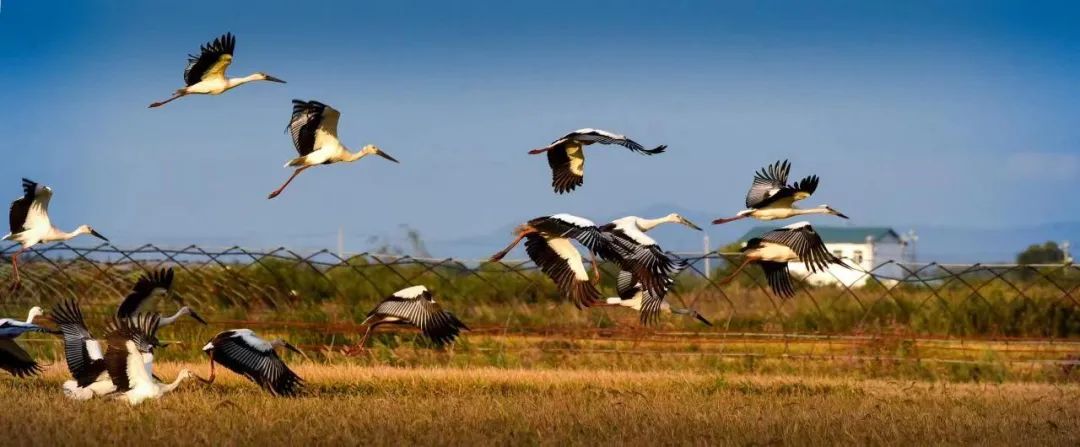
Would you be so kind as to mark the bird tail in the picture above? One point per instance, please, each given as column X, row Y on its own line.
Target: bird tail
column 298, row 161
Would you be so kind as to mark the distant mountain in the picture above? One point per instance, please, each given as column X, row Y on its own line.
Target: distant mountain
column 955, row 244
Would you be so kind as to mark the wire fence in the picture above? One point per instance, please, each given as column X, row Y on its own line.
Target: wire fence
column 281, row 285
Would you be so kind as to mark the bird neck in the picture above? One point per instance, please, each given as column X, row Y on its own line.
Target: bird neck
column 30, row 317
column 57, row 235
column 802, row 211
column 165, row 321
column 353, row 156
column 648, row 224
column 233, row 82
column 172, row 386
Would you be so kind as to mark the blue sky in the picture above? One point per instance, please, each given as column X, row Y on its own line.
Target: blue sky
column 931, row 113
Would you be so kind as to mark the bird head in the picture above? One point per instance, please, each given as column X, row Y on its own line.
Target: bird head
column 284, row 344
column 833, row 211
column 678, row 218
column 34, row 313
column 701, row 318
column 372, row 149
column 188, row 311
column 185, row 374
column 265, row 77
column 86, row 229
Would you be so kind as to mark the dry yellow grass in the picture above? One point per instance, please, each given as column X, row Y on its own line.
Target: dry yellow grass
column 383, row 405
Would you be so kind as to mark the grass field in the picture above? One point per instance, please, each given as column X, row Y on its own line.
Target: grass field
column 438, row 406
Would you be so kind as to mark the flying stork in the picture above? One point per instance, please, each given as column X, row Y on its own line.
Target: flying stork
column 649, row 263
column 205, row 73
column 566, row 155
column 30, row 224
column 313, row 128
column 775, row 249
column 146, row 289
column 414, row 306
column 771, row 197
column 13, row 358
column 547, row 242
column 634, row 296
column 244, row 353
column 129, row 359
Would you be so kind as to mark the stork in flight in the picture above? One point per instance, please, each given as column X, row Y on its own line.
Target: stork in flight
column 648, row 263
column 634, row 296
column 205, row 73
column 547, row 242
column 129, row 359
column 566, row 155
column 313, row 128
column 775, row 249
column 13, row 358
column 146, row 289
column 243, row 352
column 30, row 224
column 771, row 197
column 414, row 306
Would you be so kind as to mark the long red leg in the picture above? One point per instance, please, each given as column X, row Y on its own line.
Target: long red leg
column 521, row 235
column 173, row 98
column 291, row 177
column 725, row 220
column 595, row 268
column 736, row 272
column 363, row 340
column 15, row 267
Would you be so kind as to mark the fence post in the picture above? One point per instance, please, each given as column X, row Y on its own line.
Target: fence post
column 705, row 256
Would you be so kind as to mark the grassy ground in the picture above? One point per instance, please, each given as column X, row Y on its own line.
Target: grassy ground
column 437, row 405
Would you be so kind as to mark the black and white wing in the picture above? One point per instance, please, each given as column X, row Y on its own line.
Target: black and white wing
column 147, row 287
column 17, row 361
column 639, row 254
column 311, row 124
column 768, row 184
column 32, row 209
column 139, row 330
column 567, row 162
column 244, row 353
column 416, row 306
column 214, row 57
column 561, row 262
column 628, row 287
column 806, row 243
column 85, row 359
column 589, row 135
column 778, row 277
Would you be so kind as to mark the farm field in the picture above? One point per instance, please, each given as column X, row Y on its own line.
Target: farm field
column 380, row 405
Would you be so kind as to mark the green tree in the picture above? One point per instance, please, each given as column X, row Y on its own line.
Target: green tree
column 1047, row 253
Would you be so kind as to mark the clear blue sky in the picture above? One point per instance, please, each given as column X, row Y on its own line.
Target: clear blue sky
column 944, row 113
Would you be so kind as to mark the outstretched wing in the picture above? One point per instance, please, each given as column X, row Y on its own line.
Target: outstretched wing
column 304, row 125
column 15, row 360
column 214, row 57
column 262, row 366
column 567, row 162
column 779, row 278
column 605, row 137
column 83, row 353
column 768, row 183
column 423, row 312
column 805, row 242
column 147, row 287
column 561, row 262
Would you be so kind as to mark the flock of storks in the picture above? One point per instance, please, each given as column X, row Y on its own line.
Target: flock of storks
column 124, row 368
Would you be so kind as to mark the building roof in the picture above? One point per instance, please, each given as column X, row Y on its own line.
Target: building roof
column 843, row 235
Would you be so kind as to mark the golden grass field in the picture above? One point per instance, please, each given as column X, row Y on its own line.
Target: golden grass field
column 381, row 405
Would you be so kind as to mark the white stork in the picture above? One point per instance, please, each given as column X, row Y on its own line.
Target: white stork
column 775, row 249
column 313, row 128
column 13, row 358
column 244, row 353
column 30, row 224
column 634, row 296
column 645, row 259
column 771, row 198
column 146, row 289
column 566, row 155
column 414, row 306
column 205, row 73
column 85, row 358
column 547, row 242
column 129, row 359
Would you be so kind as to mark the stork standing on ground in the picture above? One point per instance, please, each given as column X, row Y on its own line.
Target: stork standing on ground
column 649, row 264
column 205, row 73
column 566, row 156
column 30, row 224
column 547, row 242
column 771, row 197
column 244, row 353
column 129, row 359
column 83, row 353
column 414, row 306
column 775, row 249
column 13, row 358
column 149, row 287
column 313, row 128
column 634, row 296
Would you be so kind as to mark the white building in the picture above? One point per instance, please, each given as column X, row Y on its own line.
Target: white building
column 862, row 248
